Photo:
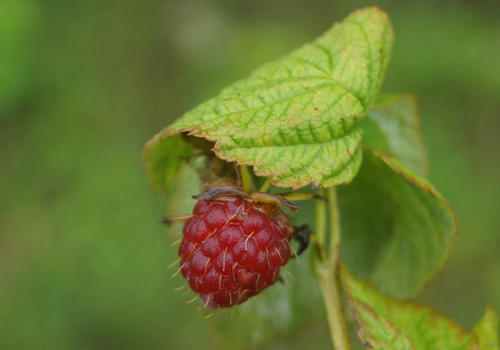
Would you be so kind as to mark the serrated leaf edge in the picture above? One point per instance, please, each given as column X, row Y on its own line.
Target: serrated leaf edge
column 345, row 275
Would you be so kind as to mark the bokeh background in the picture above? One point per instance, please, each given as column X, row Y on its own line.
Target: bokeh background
column 84, row 84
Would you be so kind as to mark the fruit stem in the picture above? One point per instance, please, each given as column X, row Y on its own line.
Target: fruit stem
column 266, row 185
column 246, row 179
column 326, row 271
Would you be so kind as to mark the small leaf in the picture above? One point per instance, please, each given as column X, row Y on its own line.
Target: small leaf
column 278, row 312
column 396, row 228
column 185, row 182
column 388, row 323
column 393, row 126
column 296, row 118
column 162, row 158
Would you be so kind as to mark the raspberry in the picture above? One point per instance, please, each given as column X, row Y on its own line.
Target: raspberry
column 233, row 249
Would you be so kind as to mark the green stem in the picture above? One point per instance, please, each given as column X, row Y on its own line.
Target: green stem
column 320, row 226
column 246, row 179
column 335, row 230
column 333, row 305
column 325, row 270
column 266, row 185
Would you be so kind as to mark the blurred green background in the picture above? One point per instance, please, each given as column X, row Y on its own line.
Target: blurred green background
column 84, row 84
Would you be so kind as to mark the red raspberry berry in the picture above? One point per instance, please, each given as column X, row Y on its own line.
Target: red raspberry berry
column 233, row 249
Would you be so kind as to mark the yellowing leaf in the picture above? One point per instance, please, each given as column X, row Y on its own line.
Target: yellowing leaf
column 296, row 119
column 388, row 323
column 486, row 330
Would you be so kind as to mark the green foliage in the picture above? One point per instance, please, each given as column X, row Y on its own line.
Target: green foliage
column 295, row 119
column 486, row 330
column 299, row 120
column 397, row 228
column 20, row 22
column 388, row 323
column 393, row 126
column 83, row 85
column 162, row 158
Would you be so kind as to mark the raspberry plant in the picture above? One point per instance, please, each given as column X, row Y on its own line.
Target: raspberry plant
column 316, row 119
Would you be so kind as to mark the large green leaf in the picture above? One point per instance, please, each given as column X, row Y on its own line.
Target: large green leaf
column 296, row 119
column 396, row 228
column 393, row 125
column 388, row 323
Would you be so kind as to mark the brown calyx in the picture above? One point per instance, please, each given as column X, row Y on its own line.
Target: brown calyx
column 225, row 189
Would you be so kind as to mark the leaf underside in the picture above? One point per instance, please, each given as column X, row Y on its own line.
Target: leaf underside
column 393, row 125
column 296, row 119
column 396, row 228
column 388, row 323
column 162, row 158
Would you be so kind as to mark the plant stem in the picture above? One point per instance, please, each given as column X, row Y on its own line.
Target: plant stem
column 266, row 185
column 335, row 230
column 326, row 273
column 246, row 179
column 333, row 305
column 320, row 220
